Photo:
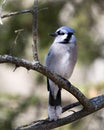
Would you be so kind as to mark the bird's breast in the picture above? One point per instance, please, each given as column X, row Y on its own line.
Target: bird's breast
column 63, row 65
column 61, row 59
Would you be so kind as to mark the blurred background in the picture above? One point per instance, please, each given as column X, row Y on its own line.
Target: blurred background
column 23, row 93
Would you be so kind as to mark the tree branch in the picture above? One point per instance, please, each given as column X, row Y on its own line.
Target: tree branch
column 47, row 125
column 62, row 83
column 16, row 13
column 35, row 32
column 21, row 12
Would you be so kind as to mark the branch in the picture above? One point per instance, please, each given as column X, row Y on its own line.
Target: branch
column 47, row 125
column 62, row 83
column 16, row 13
column 35, row 32
column 21, row 12
column 92, row 100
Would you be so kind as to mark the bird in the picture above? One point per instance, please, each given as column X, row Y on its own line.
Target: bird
column 61, row 59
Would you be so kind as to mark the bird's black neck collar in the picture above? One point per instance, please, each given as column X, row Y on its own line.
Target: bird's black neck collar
column 64, row 42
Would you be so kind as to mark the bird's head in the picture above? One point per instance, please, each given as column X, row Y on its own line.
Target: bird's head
column 64, row 35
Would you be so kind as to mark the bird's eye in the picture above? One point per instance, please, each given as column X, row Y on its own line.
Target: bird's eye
column 60, row 33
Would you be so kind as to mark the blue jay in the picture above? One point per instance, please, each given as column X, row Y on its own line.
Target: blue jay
column 61, row 59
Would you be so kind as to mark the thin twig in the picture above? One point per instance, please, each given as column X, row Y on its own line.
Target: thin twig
column 20, row 12
column 39, row 10
column 70, row 106
column 35, row 32
column 18, row 33
column 16, row 13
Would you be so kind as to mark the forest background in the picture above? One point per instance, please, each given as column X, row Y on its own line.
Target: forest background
column 24, row 93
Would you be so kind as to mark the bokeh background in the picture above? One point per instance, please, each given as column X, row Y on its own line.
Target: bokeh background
column 23, row 93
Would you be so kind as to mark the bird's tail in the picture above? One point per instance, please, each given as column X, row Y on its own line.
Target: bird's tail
column 55, row 101
column 54, row 108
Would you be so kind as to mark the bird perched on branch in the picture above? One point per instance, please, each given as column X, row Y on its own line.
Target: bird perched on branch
column 61, row 59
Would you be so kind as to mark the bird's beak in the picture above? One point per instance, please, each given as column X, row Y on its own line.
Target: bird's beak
column 53, row 34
